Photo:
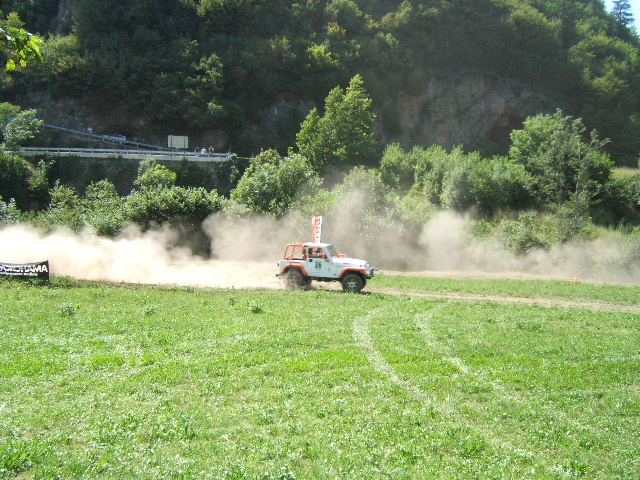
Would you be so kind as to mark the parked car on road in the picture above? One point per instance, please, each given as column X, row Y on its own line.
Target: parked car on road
column 114, row 137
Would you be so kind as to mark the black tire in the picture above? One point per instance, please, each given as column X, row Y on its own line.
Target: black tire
column 294, row 279
column 352, row 282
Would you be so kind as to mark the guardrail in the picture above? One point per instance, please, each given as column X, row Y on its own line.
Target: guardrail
column 107, row 138
column 127, row 154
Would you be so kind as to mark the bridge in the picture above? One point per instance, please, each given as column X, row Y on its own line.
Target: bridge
column 167, row 154
column 114, row 139
column 139, row 150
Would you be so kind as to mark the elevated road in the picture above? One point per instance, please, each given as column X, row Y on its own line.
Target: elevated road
column 126, row 148
column 165, row 154
column 109, row 139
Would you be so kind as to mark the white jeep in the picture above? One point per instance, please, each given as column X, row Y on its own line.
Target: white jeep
column 304, row 262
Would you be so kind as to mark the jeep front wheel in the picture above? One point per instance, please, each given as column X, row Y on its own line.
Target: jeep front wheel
column 294, row 279
column 352, row 282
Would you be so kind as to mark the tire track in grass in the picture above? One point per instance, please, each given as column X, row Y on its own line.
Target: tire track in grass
column 363, row 339
column 508, row 395
column 422, row 322
column 377, row 360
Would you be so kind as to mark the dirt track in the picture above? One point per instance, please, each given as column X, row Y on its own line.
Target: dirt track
column 544, row 302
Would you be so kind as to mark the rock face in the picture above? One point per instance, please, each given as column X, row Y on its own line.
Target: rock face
column 478, row 111
column 475, row 110
column 63, row 20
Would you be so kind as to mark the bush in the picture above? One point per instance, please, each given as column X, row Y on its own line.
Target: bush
column 15, row 173
column 65, row 210
column 271, row 184
column 103, row 209
column 528, row 232
column 159, row 205
column 9, row 212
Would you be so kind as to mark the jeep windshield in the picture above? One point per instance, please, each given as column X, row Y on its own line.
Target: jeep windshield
column 331, row 250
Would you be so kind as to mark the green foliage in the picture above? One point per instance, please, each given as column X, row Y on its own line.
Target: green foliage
column 271, row 184
column 529, row 231
column 22, row 45
column 104, row 212
column 344, row 135
column 15, row 176
column 154, row 175
column 192, row 175
column 9, row 212
column 415, row 210
column 17, row 125
column 38, row 184
column 397, row 167
column 564, row 167
column 217, row 63
column 457, row 180
column 608, row 67
column 61, row 70
column 64, row 210
column 621, row 10
column 619, row 202
column 37, row 14
column 103, row 209
column 157, row 205
column 23, row 126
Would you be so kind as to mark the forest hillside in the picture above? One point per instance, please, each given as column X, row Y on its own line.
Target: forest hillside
column 242, row 75
column 468, row 132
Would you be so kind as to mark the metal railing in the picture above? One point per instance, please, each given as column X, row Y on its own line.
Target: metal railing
column 107, row 138
column 126, row 154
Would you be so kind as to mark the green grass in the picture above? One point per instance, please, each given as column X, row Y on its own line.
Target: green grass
column 558, row 289
column 121, row 381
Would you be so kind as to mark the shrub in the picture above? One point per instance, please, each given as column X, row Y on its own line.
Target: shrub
column 271, row 184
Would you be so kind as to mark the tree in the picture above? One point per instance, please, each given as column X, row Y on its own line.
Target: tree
column 16, row 125
column 344, row 135
column 15, row 173
column 9, row 211
column 152, row 174
column 567, row 169
column 621, row 11
column 271, row 184
column 397, row 167
column 65, row 210
column 103, row 208
column 460, row 180
column 158, row 200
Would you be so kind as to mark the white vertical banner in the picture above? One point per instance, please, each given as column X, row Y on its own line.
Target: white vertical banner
column 316, row 230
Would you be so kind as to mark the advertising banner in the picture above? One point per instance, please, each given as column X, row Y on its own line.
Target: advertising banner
column 25, row 270
column 316, row 232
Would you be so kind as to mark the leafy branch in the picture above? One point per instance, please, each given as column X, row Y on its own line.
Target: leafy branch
column 23, row 44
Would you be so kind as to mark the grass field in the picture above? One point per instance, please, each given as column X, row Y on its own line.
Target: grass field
column 421, row 378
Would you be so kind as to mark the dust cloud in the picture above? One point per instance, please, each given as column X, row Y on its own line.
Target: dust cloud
column 244, row 252
column 445, row 247
column 152, row 257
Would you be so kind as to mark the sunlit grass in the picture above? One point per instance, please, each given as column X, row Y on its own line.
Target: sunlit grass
column 566, row 290
column 621, row 172
column 117, row 381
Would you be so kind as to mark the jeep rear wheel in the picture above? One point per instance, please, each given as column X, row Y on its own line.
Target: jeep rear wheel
column 294, row 279
column 352, row 282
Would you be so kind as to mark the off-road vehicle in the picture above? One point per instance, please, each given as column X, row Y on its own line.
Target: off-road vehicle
column 304, row 262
